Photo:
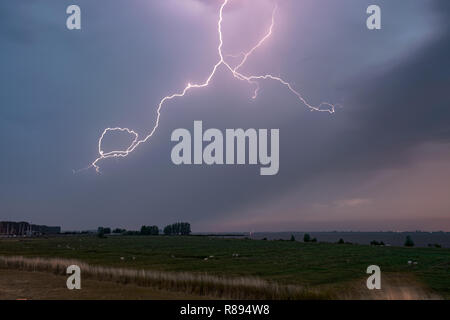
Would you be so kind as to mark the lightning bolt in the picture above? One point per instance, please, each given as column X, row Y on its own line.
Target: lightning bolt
column 251, row 79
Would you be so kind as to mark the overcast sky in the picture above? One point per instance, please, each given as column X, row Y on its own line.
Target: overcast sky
column 381, row 162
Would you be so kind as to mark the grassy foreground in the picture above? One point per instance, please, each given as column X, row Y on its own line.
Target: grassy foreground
column 284, row 262
column 47, row 286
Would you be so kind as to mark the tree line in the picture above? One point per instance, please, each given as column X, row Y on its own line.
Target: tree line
column 178, row 228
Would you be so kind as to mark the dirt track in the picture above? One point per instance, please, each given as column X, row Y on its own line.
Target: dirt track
column 393, row 287
column 37, row 286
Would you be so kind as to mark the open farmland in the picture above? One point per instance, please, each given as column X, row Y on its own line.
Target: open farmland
column 321, row 266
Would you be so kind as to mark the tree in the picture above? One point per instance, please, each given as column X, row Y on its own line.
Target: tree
column 179, row 228
column 409, row 242
column 306, row 237
column 292, row 237
column 341, row 241
column 149, row 230
column 186, row 228
column 101, row 232
column 167, row 230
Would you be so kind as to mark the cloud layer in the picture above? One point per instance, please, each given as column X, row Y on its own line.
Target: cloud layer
column 378, row 163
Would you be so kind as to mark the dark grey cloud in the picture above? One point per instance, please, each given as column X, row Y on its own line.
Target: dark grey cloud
column 61, row 88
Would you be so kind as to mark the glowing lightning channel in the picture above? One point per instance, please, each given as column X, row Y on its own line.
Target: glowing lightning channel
column 251, row 79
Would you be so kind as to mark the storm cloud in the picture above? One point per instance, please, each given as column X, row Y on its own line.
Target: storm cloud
column 61, row 88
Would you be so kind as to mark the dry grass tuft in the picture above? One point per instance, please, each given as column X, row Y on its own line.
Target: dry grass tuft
column 192, row 283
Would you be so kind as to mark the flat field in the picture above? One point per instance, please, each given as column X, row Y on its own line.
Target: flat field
column 336, row 267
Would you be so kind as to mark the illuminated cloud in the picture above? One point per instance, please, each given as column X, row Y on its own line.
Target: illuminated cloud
column 251, row 79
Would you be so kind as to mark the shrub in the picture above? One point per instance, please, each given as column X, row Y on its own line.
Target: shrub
column 103, row 231
column 101, row 234
column 409, row 242
column 306, row 237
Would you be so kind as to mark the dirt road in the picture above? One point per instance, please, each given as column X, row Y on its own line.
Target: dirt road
column 38, row 285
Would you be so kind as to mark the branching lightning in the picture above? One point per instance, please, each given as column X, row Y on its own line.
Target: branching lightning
column 251, row 79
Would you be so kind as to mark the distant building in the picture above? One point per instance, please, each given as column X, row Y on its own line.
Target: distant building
column 14, row 228
column 10, row 228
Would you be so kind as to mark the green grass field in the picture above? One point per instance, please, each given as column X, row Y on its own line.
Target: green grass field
column 306, row 264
